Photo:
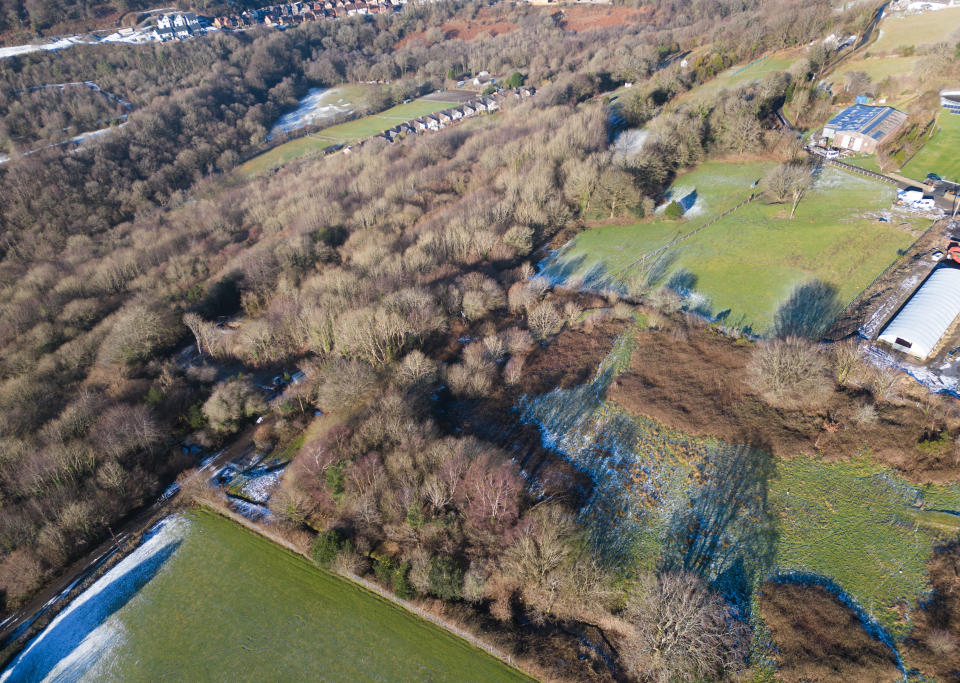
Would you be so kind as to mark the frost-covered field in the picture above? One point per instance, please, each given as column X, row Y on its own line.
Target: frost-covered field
column 316, row 107
column 734, row 514
column 745, row 266
column 204, row 599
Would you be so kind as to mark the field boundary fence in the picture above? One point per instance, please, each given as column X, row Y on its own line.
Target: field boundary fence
column 670, row 245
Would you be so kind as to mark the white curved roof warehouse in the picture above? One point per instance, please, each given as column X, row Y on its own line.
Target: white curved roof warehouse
column 920, row 324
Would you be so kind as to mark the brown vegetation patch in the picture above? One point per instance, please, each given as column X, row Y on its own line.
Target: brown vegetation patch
column 698, row 381
column 468, row 30
column 486, row 24
column 934, row 644
column 588, row 17
column 571, row 359
column 819, row 639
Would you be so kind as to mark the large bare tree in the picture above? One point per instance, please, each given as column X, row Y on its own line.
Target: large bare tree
column 682, row 631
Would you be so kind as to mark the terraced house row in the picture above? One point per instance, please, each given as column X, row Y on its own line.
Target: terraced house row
column 447, row 117
column 300, row 12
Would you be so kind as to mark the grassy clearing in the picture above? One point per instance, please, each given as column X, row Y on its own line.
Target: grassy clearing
column 230, row 605
column 748, row 263
column 743, row 74
column 868, row 163
column 371, row 125
column 342, row 133
column 940, row 154
column 877, row 68
column 854, row 523
column 659, row 492
column 927, row 28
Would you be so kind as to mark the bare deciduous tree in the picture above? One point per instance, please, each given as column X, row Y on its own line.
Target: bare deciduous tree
column 788, row 181
column 789, row 373
column 683, row 632
column 544, row 320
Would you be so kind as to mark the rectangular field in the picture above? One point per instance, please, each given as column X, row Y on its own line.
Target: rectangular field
column 204, row 599
column 743, row 267
column 927, row 28
column 342, row 133
column 941, row 154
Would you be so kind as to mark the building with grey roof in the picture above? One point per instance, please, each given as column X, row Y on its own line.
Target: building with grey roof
column 862, row 128
column 918, row 327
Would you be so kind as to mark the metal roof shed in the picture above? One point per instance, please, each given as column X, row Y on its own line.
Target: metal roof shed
column 918, row 326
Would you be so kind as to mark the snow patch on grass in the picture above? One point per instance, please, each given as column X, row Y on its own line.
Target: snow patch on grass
column 87, row 630
column 316, row 106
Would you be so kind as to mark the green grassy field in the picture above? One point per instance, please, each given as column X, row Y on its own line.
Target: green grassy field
column 340, row 134
column 868, row 163
column 229, row 605
column 927, row 28
column 204, row 599
column 877, row 68
column 748, row 263
column 854, row 523
column 742, row 74
column 941, row 154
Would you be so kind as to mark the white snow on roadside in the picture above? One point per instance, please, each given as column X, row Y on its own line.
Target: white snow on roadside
column 88, row 629
column 318, row 104
column 260, row 488
column 891, row 303
column 60, row 44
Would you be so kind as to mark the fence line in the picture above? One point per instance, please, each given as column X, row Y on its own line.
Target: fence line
column 670, row 245
column 860, row 171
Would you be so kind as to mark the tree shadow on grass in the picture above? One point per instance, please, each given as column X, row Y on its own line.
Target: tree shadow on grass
column 809, row 310
column 67, row 632
column 725, row 531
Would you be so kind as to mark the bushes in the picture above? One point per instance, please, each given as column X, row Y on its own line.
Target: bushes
column 673, row 211
column 789, row 373
column 231, row 402
column 326, row 546
column 446, row 578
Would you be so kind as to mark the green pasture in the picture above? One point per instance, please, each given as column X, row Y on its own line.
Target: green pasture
column 230, row 605
column 861, row 526
column 376, row 123
column 867, row 162
column 283, row 154
column 941, row 154
column 743, row 267
column 927, row 28
column 341, row 134
column 742, row 74
column 877, row 68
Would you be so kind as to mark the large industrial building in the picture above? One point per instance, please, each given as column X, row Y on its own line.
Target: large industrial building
column 950, row 100
column 862, row 128
column 920, row 325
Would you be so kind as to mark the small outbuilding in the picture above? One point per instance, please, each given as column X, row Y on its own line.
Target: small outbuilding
column 918, row 327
